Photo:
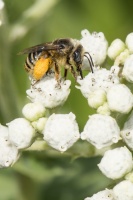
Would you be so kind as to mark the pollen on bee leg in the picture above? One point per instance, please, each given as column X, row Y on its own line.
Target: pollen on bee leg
column 41, row 67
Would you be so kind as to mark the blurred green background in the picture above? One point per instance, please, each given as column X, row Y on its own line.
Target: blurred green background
column 50, row 175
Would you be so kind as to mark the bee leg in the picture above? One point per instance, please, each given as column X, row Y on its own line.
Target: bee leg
column 57, row 73
column 79, row 70
column 33, row 83
column 73, row 72
column 65, row 73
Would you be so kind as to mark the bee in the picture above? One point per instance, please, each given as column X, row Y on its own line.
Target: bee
column 66, row 52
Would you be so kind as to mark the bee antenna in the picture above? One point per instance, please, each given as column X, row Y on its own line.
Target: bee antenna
column 90, row 61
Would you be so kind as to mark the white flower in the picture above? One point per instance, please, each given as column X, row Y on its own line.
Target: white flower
column 8, row 152
column 120, row 98
column 21, row 133
column 101, row 131
column 61, row 131
column 116, row 163
column 102, row 195
column 33, row 111
column 97, row 98
column 123, row 190
column 96, row 44
column 127, row 132
column 116, row 47
column 129, row 42
column 49, row 93
column 128, row 69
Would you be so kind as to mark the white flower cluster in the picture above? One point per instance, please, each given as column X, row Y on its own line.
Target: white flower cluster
column 60, row 131
column 122, row 54
column 48, row 92
column 20, row 133
column 103, row 88
column 105, row 91
column 109, row 97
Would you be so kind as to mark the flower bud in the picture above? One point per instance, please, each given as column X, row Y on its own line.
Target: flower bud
column 127, row 132
column 129, row 42
column 120, row 59
column 120, row 98
column 116, row 47
column 104, row 109
column 96, row 45
column 123, row 190
column 128, row 69
column 61, row 131
column 8, row 152
column 97, row 98
column 101, row 131
column 21, row 133
column 39, row 124
column 116, row 163
column 33, row 111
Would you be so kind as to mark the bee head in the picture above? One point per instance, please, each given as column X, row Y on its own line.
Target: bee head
column 78, row 54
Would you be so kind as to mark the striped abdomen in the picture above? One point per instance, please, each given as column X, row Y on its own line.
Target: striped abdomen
column 31, row 61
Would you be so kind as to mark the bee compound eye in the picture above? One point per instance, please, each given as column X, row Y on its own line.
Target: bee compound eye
column 77, row 56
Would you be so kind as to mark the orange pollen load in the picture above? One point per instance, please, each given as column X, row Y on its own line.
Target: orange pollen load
column 41, row 67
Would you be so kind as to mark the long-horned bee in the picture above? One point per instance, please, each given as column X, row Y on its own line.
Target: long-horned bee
column 65, row 52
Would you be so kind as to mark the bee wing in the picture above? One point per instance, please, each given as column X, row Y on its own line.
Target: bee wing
column 41, row 47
